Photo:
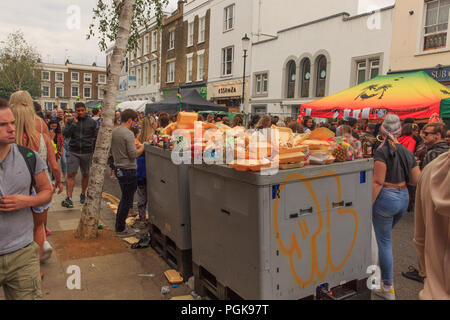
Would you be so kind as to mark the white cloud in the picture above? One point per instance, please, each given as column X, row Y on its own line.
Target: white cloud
column 44, row 24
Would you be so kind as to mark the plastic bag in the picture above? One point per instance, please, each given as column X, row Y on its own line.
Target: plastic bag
column 319, row 158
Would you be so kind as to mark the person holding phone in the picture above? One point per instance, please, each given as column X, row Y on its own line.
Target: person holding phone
column 82, row 132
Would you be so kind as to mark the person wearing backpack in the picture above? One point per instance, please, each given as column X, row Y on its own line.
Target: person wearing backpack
column 19, row 254
column 32, row 132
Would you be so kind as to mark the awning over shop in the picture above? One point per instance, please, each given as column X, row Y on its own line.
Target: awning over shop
column 445, row 108
column 191, row 100
column 94, row 104
column 138, row 106
column 409, row 95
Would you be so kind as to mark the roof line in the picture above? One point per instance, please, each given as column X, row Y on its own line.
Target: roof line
column 345, row 17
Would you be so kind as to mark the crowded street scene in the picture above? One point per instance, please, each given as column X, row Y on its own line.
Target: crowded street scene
column 225, row 150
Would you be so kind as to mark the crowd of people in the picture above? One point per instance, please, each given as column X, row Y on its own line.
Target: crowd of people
column 40, row 151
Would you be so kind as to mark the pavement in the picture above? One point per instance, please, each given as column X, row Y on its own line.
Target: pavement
column 127, row 274
column 138, row 274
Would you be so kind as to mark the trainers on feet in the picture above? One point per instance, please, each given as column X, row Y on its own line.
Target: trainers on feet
column 82, row 198
column 386, row 294
column 125, row 233
column 46, row 251
column 67, row 203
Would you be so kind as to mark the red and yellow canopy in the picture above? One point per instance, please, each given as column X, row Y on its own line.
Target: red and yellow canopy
column 408, row 95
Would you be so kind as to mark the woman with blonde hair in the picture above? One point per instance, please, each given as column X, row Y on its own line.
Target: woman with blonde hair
column 32, row 132
column 149, row 126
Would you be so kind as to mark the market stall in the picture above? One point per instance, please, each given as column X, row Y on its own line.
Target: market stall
column 408, row 95
column 138, row 105
column 190, row 100
column 285, row 218
column 169, row 209
column 445, row 111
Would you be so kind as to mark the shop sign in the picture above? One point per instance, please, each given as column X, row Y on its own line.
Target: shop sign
column 441, row 74
column 227, row 90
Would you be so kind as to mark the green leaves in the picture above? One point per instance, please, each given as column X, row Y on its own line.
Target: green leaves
column 20, row 66
column 105, row 20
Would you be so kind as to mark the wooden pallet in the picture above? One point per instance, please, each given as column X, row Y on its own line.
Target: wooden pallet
column 181, row 260
column 207, row 285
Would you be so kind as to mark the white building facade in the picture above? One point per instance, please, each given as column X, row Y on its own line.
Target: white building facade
column 230, row 21
column 144, row 65
column 123, row 84
column 331, row 47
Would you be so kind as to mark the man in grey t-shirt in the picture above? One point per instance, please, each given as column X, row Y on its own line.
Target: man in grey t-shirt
column 19, row 255
column 123, row 149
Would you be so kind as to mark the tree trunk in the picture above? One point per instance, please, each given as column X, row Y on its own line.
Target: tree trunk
column 88, row 225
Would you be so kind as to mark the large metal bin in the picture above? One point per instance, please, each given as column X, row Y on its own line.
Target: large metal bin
column 282, row 236
column 168, row 196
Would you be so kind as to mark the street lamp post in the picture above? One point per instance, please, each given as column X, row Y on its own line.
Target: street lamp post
column 245, row 45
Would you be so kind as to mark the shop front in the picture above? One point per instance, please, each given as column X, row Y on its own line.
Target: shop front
column 226, row 93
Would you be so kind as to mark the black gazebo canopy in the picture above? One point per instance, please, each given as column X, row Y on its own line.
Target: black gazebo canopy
column 191, row 101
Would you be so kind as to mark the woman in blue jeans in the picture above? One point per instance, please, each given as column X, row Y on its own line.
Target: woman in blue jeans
column 395, row 167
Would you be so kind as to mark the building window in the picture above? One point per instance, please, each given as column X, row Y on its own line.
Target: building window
column 87, row 92
column 102, row 78
column 321, row 75
column 201, row 29
column 87, row 77
column 291, row 78
column 75, row 76
column 138, row 77
column 146, row 75
column 362, row 71
column 200, row 67
column 48, row 106
column 146, row 44
column 139, row 47
column 189, row 69
column 126, row 64
column 154, row 40
column 75, row 92
column 436, row 24
column 374, row 68
column 59, row 76
column 367, row 69
column 132, row 82
column 101, row 93
column 154, row 73
column 228, row 18
column 45, row 91
column 259, row 110
column 306, row 77
column 171, row 72
column 190, row 34
column 59, row 92
column 261, row 81
column 46, row 75
column 227, row 61
column 171, row 40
